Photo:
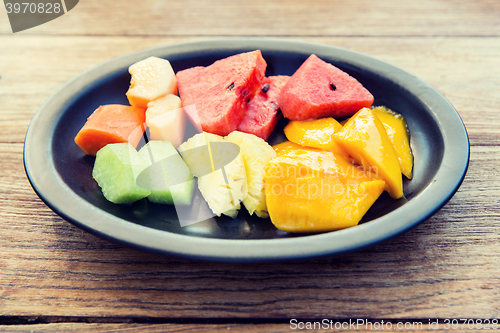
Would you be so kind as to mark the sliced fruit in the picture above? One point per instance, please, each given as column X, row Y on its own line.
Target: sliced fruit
column 221, row 91
column 166, row 119
column 309, row 190
column 397, row 131
column 315, row 133
column 168, row 176
column 256, row 154
column 152, row 78
column 116, row 168
column 285, row 147
column 226, row 185
column 111, row 124
column 365, row 139
column 318, row 89
column 262, row 112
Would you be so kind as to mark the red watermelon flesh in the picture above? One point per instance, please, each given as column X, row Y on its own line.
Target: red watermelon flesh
column 262, row 112
column 319, row 89
column 221, row 91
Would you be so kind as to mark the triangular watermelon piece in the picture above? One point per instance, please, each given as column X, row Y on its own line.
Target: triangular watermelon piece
column 318, row 89
column 262, row 112
column 221, row 91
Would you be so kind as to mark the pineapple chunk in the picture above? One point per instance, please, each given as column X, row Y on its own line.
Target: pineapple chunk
column 152, row 78
column 256, row 154
column 166, row 120
column 221, row 170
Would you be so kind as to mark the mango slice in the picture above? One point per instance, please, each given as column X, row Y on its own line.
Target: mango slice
column 309, row 190
column 365, row 139
column 285, row 147
column 397, row 131
column 315, row 133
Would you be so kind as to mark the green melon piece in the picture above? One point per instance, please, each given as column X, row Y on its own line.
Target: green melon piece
column 168, row 176
column 116, row 168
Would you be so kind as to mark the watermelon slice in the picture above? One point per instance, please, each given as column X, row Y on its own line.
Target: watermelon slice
column 221, row 91
column 318, row 89
column 262, row 112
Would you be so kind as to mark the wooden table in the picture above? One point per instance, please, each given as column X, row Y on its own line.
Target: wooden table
column 55, row 277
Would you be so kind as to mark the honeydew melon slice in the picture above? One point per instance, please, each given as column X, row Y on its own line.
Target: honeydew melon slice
column 168, row 176
column 116, row 168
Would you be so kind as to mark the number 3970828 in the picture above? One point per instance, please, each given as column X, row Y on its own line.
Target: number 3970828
column 31, row 7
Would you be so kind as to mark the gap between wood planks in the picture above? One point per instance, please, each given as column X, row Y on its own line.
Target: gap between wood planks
column 34, row 320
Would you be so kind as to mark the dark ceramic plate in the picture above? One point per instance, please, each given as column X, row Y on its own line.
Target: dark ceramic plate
column 61, row 174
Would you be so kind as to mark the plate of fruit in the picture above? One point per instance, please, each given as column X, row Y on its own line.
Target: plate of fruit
column 246, row 150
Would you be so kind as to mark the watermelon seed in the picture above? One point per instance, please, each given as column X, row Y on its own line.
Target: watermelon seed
column 265, row 87
column 332, row 87
column 231, row 86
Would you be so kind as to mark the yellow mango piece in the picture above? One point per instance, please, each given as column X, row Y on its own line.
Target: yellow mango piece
column 315, row 133
column 397, row 131
column 152, row 78
column 342, row 122
column 285, row 147
column 365, row 139
column 309, row 190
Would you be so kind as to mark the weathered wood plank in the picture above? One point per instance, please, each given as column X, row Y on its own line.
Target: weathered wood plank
column 54, row 273
column 383, row 326
column 465, row 70
column 275, row 18
column 440, row 268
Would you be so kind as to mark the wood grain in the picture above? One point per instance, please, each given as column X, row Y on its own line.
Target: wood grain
column 464, row 70
column 413, row 326
column 56, row 277
column 276, row 18
column 445, row 267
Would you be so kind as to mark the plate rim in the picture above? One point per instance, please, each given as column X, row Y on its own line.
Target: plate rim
column 110, row 227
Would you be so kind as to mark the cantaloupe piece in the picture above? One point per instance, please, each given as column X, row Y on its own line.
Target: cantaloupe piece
column 111, row 123
column 152, row 78
column 166, row 119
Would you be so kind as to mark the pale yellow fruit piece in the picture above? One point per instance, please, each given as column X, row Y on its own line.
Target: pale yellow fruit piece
column 220, row 170
column 397, row 131
column 166, row 119
column 256, row 154
column 152, row 78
